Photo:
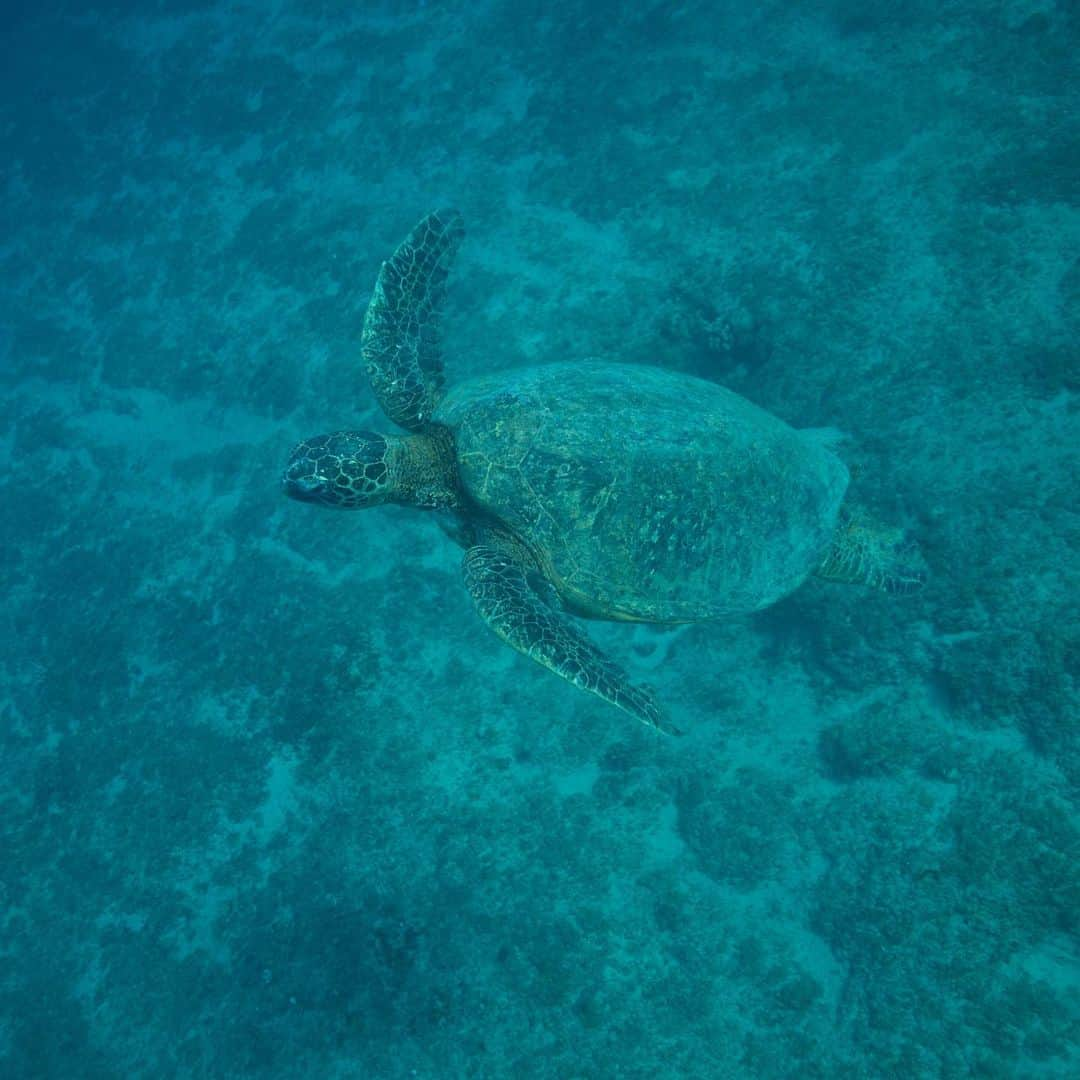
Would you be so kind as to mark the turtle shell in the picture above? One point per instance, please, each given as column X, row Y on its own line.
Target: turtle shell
column 646, row 494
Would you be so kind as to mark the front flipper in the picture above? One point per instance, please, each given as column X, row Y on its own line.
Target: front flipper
column 499, row 585
column 400, row 343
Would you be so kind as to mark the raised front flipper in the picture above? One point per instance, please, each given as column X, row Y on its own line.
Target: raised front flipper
column 499, row 585
column 400, row 343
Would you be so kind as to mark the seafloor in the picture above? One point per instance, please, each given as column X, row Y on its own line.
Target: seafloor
column 274, row 803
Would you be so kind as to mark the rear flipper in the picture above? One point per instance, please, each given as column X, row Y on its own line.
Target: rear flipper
column 865, row 553
column 499, row 585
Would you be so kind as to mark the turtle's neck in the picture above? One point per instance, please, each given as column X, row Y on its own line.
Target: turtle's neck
column 425, row 472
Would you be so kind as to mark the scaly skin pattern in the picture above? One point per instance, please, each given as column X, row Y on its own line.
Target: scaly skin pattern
column 344, row 470
column 497, row 578
column 400, row 342
column 350, row 470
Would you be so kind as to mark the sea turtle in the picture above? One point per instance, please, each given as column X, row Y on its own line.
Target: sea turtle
column 586, row 488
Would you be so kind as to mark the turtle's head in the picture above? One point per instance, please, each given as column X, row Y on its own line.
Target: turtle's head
column 347, row 470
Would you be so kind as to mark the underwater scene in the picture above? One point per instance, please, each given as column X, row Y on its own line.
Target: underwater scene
column 540, row 540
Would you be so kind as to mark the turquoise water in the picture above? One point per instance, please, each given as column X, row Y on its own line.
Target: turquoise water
column 274, row 802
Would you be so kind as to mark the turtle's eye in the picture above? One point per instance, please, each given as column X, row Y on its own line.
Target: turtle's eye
column 305, row 487
column 302, row 479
